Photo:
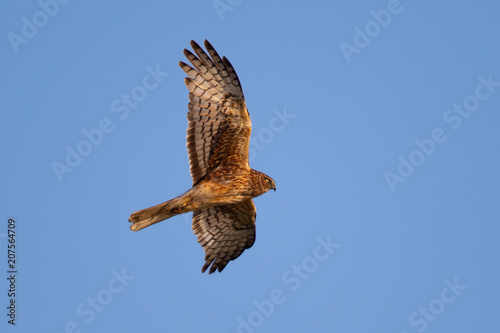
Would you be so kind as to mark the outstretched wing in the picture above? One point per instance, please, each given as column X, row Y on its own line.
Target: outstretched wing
column 219, row 123
column 224, row 232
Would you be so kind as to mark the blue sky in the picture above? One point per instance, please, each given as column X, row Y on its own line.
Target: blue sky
column 378, row 120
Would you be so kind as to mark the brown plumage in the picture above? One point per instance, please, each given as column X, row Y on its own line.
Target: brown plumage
column 218, row 138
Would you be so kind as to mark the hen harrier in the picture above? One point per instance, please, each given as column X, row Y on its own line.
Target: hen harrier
column 218, row 138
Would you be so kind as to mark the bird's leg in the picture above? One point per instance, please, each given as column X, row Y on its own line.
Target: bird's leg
column 178, row 209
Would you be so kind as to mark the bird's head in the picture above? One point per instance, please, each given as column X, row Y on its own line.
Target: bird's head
column 267, row 182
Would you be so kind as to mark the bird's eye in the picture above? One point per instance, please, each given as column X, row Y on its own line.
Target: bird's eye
column 268, row 180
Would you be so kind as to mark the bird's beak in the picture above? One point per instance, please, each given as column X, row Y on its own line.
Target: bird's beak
column 274, row 188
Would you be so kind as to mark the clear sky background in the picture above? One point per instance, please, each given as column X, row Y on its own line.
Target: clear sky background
column 379, row 122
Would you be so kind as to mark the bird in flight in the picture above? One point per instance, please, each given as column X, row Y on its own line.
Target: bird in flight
column 218, row 138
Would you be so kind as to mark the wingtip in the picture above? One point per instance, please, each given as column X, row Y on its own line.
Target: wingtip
column 207, row 44
column 187, row 53
column 194, row 45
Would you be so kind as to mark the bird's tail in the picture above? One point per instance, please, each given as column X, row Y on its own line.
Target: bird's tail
column 149, row 216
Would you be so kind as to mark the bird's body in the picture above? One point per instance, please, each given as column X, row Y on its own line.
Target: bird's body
column 218, row 139
column 221, row 187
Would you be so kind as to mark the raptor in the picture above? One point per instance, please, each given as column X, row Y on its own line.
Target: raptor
column 224, row 185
